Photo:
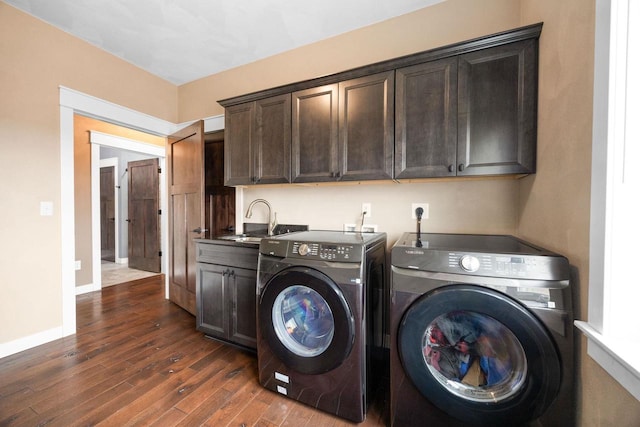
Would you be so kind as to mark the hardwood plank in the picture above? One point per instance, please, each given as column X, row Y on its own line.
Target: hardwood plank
column 137, row 359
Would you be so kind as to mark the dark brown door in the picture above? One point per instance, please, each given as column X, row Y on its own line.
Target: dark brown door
column 497, row 108
column 107, row 214
column 220, row 203
column 272, row 140
column 238, row 162
column 426, row 114
column 314, row 134
column 366, row 127
column 185, row 161
column 144, row 215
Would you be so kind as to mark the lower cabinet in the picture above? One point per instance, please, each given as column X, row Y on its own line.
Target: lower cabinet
column 226, row 301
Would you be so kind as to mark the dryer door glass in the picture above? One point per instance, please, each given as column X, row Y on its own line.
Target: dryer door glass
column 303, row 321
column 474, row 356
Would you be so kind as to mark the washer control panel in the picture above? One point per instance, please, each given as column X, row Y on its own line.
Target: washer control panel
column 497, row 265
column 324, row 251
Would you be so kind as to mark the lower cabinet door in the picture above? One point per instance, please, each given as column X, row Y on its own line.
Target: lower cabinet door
column 211, row 311
column 242, row 298
column 226, row 303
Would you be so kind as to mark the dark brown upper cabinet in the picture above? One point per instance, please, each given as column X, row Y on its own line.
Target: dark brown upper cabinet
column 365, row 140
column 497, row 110
column 426, row 119
column 258, row 142
column 465, row 109
column 314, row 142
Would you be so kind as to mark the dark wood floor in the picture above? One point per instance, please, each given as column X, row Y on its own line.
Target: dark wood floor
column 137, row 360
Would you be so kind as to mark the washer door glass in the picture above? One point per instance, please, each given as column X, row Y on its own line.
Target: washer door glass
column 303, row 321
column 474, row 356
column 479, row 355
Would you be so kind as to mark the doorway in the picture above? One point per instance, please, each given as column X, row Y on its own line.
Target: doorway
column 114, row 150
column 75, row 102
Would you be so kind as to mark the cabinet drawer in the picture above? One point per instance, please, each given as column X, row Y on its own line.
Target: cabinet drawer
column 229, row 255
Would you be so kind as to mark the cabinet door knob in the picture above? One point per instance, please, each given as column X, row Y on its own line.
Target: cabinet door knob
column 461, row 167
column 199, row 230
column 451, row 169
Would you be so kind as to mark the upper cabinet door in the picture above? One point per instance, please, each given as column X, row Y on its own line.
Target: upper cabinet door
column 426, row 118
column 272, row 140
column 497, row 109
column 366, row 127
column 314, row 139
column 238, row 161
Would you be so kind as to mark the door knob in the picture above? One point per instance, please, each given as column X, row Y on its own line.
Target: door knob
column 199, row 230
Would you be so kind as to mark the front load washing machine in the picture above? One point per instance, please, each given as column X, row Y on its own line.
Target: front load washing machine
column 320, row 318
column 481, row 333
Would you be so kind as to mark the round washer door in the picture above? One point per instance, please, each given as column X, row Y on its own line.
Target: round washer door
column 306, row 320
column 479, row 355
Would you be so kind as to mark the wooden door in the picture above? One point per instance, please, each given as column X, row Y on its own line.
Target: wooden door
column 272, row 140
column 220, row 203
column 314, row 134
column 497, row 110
column 238, row 162
column 144, row 215
column 107, row 214
column 366, row 120
column 426, row 115
column 185, row 176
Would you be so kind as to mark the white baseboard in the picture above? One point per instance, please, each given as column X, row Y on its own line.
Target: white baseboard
column 84, row 289
column 122, row 260
column 25, row 343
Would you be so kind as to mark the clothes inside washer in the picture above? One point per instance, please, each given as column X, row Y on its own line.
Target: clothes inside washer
column 471, row 348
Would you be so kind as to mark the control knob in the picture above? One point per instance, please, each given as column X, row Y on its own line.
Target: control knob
column 303, row 249
column 469, row 263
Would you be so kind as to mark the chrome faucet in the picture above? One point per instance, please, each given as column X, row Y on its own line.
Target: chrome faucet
column 250, row 209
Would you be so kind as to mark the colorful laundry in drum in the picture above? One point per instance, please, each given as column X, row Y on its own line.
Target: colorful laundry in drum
column 471, row 348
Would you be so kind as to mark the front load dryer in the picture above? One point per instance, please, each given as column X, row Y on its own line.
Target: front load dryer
column 481, row 333
column 320, row 318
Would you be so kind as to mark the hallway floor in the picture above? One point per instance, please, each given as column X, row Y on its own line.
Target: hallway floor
column 115, row 274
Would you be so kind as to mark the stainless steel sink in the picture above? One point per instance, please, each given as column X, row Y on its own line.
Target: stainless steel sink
column 242, row 238
column 254, row 236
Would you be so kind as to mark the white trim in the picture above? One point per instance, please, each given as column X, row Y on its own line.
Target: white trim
column 72, row 102
column 610, row 113
column 67, row 223
column 97, row 140
column 85, row 289
column 112, row 161
column 30, row 341
column 100, row 109
column 602, row 351
column 214, row 123
column 122, row 143
column 124, row 260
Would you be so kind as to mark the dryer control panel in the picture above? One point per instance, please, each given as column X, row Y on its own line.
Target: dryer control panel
column 324, row 251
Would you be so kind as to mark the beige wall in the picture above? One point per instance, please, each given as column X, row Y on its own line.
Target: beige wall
column 554, row 203
column 82, row 175
column 35, row 60
column 550, row 208
column 448, row 22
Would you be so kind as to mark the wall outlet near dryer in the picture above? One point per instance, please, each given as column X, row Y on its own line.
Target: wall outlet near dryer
column 425, row 208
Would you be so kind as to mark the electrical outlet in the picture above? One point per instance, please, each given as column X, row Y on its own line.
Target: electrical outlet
column 369, row 228
column 424, row 206
column 78, row 265
column 366, row 207
column 349, row 228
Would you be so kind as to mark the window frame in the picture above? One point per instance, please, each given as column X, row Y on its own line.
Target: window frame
column 612, row 230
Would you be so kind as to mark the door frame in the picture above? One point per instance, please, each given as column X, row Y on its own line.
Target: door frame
column 74, row 102
column 97, row 140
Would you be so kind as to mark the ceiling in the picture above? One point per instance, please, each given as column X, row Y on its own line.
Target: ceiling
column 184, row 40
